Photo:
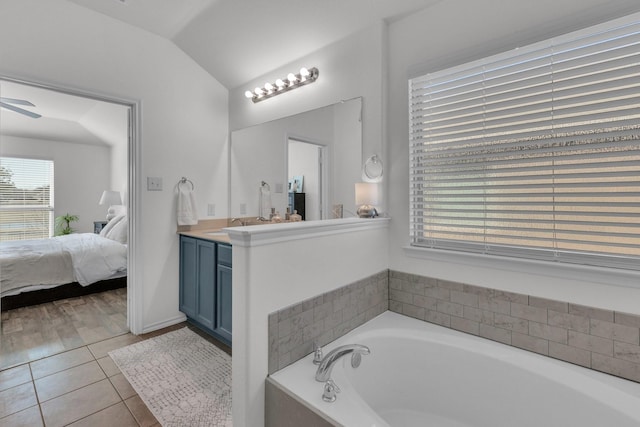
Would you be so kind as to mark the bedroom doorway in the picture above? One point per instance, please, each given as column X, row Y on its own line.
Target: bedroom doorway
column 105, row 130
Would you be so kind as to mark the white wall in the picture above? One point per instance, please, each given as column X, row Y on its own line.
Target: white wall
column 81, row 173
column 350, row 68
column 455, row 32
column 279, row 269
column 183, row 118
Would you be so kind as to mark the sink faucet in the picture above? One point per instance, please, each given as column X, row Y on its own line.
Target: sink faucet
column 237, row 219
column 326, row 366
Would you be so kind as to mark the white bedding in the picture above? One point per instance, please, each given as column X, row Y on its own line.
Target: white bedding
column 84, row 258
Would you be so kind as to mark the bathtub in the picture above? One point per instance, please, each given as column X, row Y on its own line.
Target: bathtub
column 420, row 374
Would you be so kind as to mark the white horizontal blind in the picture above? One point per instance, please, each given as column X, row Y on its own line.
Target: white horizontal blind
column 26, row 198
column 534, row 153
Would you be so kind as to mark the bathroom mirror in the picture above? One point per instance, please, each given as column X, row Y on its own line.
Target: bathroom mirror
column 321, row 148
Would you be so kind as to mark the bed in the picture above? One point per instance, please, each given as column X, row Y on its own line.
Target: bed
column 86, row 262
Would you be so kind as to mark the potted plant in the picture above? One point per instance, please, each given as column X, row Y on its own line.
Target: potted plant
column 63, row 224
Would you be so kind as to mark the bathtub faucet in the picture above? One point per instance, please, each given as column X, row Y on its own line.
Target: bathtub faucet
column 356, row 351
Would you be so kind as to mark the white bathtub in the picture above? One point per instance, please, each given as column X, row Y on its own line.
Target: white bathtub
column 419, row 374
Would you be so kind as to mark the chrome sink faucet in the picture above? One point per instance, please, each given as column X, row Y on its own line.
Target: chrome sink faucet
column 356, row 351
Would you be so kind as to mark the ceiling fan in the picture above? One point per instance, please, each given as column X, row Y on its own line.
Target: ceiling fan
column 6, row 103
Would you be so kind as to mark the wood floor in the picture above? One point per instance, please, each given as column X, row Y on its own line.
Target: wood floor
column 32, row 333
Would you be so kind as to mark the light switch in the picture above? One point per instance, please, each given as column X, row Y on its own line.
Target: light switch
column 154, row 183
column 243, row 208
column 211, row 209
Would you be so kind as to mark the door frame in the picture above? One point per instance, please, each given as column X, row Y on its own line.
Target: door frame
column 134, row 248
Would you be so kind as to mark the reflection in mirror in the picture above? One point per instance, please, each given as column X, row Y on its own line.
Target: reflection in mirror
column 319, row 153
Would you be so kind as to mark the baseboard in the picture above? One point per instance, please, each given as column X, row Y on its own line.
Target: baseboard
column 164, row 324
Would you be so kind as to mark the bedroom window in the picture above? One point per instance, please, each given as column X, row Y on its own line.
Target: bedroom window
column 26, row 198
column 534, row 153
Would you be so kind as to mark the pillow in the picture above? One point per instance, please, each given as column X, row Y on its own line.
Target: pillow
column 120, row 231
column 112, row 223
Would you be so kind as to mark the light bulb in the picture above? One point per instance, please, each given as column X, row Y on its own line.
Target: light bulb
column 258, row 91
column 304, row 72
column 280, row 84
column 292, row 78
column 248, row 94
column 269, row 87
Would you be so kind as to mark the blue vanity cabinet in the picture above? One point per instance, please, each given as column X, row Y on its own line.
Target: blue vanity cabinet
column 223, row 292
column 188, row 276
column 205, row 285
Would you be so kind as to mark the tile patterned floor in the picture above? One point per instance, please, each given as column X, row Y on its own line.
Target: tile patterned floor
column 79, row 387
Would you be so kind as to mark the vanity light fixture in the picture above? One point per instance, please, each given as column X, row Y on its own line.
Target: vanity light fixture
column 292, row 81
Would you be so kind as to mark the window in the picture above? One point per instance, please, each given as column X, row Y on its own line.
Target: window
column 26, row 198
column 534, row 153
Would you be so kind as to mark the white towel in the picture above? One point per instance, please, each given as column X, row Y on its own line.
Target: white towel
column 187, row 210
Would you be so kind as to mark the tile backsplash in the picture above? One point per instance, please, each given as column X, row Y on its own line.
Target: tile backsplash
column 603, row 340
column 321, row 319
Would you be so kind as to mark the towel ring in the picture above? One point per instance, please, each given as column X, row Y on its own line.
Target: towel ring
column 184, row 180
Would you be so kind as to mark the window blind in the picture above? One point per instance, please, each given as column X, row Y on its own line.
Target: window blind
column 26, row 198
column 533, row 153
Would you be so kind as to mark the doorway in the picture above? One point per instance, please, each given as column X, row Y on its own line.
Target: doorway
column 125, row 160
column 307, row 174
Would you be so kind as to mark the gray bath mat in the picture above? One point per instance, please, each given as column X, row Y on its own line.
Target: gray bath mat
column 183, row 379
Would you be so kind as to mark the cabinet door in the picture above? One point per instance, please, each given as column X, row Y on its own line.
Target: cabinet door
column 223, row 302
column 206, row 283
column 188, row 276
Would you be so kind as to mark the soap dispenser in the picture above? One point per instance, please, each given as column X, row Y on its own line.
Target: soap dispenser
column 295, row 217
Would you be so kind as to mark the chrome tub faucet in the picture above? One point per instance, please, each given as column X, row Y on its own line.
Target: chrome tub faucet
column 326, row 366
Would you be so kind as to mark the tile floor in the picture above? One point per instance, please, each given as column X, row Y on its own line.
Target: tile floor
column 79, row 387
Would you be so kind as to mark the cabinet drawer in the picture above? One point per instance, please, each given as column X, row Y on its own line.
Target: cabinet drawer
column 224, row 255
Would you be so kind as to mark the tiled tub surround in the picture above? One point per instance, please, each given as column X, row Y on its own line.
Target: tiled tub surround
column 324, row 318
column 603, row 340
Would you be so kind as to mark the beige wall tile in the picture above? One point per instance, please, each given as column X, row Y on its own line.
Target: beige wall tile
column 464, row 298
column 510, row 323
column 495, row 305
column 477, row 315
column 591, row 312
column 495, row 334
column 629, row 352
column 628, row 334
column 438, row 318
column 618, row 367
column 535, row 314
column 558, row 306
column 413, row 311
column 547, row 332
column 627, row 319
column 449, row 308
column 570, row 354
column 426, row 302
column 568, row 321
column 465, row 325
column 527, row 342
column 590, row 343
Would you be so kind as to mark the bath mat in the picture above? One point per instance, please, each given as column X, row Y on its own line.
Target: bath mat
column 183, row 378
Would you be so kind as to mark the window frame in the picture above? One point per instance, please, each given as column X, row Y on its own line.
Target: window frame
column 497, row 259
column 50, row 208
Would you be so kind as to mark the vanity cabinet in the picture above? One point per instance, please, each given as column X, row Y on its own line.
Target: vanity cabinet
column 205, row 285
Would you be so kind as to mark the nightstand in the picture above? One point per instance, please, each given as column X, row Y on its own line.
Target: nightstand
column 98, row 226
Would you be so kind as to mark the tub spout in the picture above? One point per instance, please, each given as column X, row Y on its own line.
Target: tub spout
column 323, row 373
